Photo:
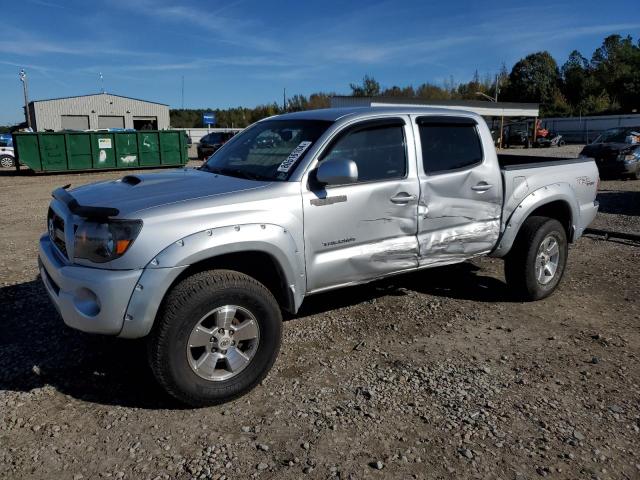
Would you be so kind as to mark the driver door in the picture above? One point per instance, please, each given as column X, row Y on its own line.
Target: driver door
column 367, row 229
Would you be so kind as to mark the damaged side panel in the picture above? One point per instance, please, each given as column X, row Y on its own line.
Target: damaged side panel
column 456, row 222
column 363, row 237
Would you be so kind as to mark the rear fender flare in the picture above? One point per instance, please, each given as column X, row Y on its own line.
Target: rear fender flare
column 543, row 196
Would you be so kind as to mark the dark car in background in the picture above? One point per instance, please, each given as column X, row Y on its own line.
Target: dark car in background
column 517, row 134
column 616, row 152
column 212, row 142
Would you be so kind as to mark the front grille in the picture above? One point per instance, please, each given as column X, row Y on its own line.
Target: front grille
column 55, row 226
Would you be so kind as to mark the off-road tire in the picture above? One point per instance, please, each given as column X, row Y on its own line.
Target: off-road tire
column 181, row 310
column 7, row 161
column 520, row 263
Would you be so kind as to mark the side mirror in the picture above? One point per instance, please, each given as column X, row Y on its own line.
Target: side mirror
column 338, row 171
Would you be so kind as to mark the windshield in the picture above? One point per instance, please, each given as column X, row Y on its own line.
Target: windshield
column 616, row 135
column 268, row 150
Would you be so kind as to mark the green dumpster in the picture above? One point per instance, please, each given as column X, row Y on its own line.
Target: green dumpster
column 73, row 151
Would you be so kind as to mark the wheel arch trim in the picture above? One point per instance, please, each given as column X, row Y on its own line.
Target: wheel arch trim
column 165, row 268
column 557, row 192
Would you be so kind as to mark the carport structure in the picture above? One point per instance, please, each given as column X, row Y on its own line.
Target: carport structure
column 493, row 112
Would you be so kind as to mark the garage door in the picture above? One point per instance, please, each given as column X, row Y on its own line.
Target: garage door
column 105, row 121
column 74, row 122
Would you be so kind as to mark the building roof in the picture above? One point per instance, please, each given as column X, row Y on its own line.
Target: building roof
column 95, row 94
column 482, row 107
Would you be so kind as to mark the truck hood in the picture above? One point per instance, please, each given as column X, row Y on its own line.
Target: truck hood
column 136, row 192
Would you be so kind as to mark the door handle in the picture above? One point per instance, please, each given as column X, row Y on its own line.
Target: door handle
column 482, row 187
column 403, row 198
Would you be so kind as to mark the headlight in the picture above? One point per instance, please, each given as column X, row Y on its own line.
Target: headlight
column 630, row 157
column 102, row 242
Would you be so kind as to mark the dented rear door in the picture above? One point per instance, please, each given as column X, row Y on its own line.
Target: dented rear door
column 460, row 189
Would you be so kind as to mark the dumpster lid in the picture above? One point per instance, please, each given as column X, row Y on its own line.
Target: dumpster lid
column 82, row 210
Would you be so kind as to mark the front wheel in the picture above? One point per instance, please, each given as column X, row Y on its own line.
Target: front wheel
column 216, row 337
column 536, row 263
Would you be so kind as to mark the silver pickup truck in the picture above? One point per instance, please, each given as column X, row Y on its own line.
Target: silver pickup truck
column 202, row 262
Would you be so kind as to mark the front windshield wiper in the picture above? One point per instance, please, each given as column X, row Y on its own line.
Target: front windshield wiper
column 236, row 172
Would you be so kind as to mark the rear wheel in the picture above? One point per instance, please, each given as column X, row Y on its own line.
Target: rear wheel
column 216, row 337
column 536, row 263
column 7, row 161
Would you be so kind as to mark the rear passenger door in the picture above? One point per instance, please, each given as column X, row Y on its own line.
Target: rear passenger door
column 460, row 190
column 367, row 229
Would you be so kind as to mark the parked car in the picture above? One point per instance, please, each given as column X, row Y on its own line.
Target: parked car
column 203, row 261
column 517, row 134
column 616, row 152
column 7, row 154
column 212, row 142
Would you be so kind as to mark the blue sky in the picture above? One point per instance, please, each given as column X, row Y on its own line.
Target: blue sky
column 244, row 53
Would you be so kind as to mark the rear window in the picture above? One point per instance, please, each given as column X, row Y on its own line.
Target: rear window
column 449, row 146
column 213, row 138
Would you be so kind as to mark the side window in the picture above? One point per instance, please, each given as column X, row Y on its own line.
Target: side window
column 449, row 146
column 378, row 151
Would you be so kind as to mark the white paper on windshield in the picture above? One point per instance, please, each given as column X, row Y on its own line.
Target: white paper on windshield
column 294, row 156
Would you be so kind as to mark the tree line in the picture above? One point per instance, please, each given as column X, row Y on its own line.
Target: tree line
column 606, row 83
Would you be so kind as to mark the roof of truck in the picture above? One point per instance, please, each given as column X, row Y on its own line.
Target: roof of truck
column 333, row 114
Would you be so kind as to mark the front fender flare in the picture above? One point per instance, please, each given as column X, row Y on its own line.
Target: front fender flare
column 167, row 265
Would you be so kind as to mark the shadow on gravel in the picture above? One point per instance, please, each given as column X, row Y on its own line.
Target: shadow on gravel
column 461, row 281
column 11, row 172
column 619, row 202
column 37, row 349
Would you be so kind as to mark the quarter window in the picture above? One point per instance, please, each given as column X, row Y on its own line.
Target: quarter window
column 449, row 146
column 378, row 151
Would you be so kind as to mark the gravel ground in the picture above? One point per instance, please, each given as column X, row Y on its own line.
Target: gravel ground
column 438, row 374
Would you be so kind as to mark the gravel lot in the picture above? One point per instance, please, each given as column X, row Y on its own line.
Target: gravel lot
column 431, row 375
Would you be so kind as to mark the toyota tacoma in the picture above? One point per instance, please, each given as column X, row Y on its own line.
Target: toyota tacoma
column 203, row 262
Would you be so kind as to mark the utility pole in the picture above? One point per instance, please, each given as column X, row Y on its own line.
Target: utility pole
column 25, row 89
column 497, row 88
column 284, row 99
column 182, row 92
column 101, row 82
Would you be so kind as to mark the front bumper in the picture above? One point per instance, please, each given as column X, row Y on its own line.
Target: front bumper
column 88, row 299
column 109, row 302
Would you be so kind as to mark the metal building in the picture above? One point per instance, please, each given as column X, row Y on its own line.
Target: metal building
column 97, row 111
column 494, row 113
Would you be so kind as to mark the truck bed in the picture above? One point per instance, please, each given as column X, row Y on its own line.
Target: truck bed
column 523, row 175
column 516, row 162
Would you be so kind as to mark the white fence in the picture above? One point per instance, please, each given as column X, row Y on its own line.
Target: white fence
column 586, row 129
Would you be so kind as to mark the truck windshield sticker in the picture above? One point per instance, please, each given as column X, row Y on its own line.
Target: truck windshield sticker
column 294, row 156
